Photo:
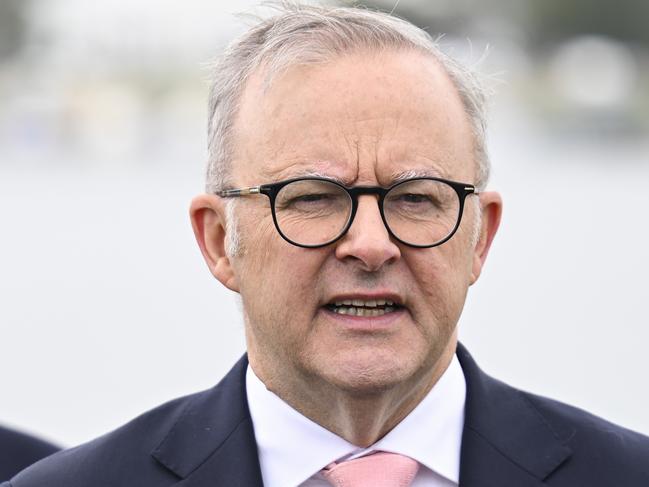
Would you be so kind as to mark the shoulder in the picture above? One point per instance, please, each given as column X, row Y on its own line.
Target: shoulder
column 114, row 458
column 158, row 448
column 593, row 439
column 601, row 453
column 19, row 450
column 527, row 435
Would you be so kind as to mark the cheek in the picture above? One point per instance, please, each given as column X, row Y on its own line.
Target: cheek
column 255, row 262
column 275, row 275
column 257, row 234
column 441, row 277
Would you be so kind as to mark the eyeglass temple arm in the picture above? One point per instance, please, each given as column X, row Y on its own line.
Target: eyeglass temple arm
column 227, row 193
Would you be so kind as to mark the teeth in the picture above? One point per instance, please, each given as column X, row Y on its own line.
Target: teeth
column 366, row 304
column 356, row 311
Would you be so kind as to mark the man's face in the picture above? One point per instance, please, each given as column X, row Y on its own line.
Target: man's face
column 364, row 119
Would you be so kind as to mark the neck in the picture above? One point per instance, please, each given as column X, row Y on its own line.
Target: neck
column 360, row 418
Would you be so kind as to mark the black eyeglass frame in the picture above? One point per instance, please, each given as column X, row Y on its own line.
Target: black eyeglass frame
column 272, row 190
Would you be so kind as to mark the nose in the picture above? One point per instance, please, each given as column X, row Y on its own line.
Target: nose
column 367, row 241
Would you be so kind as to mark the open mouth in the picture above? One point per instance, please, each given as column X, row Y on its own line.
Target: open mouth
column 358, row 307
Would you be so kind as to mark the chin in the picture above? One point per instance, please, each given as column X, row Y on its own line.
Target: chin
column 369, row 373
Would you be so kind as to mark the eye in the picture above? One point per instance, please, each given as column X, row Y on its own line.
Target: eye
column 414, row 198
column 311, row 198
column 312, row 202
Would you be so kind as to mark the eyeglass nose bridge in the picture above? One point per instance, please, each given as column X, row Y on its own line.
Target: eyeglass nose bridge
column 354, row 194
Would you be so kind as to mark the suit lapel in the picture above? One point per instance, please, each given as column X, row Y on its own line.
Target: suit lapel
column 506, row 441
column 212, row 444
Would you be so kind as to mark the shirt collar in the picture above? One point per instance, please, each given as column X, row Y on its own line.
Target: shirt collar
column 283, row 434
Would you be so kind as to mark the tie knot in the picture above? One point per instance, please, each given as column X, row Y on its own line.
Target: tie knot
column 380, row 469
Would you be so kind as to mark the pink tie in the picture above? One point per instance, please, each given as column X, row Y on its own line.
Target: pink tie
column 376, row 470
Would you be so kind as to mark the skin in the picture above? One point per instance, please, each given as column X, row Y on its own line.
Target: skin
column 363, row 118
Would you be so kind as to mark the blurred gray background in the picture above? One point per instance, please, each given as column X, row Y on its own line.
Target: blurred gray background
column 106, row 307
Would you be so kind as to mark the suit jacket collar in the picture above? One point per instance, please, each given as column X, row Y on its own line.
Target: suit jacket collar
column 213, row 442
column 506, row 441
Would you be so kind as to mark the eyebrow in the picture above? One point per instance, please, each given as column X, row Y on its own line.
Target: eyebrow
column 394, row 178
column 310, row 173
column 428, row 172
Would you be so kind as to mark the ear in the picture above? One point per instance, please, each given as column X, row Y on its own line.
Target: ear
column 491, row 206
column 207, row 213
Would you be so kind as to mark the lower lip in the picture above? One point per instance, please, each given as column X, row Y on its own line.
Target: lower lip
column 366, row 323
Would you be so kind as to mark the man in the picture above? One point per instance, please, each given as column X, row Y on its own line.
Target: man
column 345, row 204
column 19, row 450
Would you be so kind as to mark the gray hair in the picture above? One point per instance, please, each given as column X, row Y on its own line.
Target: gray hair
column 304, row 34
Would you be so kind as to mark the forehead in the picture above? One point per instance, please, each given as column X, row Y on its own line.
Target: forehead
column 364, row 117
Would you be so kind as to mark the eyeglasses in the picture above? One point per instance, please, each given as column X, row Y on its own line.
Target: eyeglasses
column 313, row 212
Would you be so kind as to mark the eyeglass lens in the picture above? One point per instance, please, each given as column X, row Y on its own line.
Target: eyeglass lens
column 314, row 212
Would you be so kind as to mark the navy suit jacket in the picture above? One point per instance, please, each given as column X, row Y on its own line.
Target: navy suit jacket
column 510, row 439
column 18, row 451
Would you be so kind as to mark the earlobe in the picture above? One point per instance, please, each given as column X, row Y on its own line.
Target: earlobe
column 491, row 207
column 208, row 217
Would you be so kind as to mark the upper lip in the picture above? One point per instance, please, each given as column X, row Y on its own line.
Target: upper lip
column 377, row 298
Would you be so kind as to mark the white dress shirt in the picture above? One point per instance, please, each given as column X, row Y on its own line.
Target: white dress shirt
column 293, row 449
